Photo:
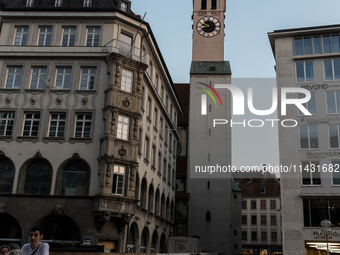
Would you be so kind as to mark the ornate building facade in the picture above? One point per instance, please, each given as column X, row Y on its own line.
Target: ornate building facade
column 88, row 122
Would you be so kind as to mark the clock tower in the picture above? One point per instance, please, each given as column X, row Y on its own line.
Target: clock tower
column 208, row 30
column 215, row 203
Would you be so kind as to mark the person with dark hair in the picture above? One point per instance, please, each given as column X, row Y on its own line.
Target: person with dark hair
column 14, row 246
column 35, row 247
column 4, row 249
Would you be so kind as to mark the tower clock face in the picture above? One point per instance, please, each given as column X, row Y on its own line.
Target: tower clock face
column 208, row 26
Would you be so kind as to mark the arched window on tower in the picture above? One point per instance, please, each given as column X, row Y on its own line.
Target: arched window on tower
column 204, row 4
column 213, row 4
column 208, row 216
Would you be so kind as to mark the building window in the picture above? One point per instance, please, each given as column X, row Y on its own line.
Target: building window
column 29, row 3
column 123, row 128
column 7, row 170
column 38, row 78
column 37, row 178
column 140, row 142
column 159, row 163
column 253, row 204
column 167, row 102
column 332, row 69
column 118, row 180
column 31, row 124
column 58, row 3
column 13, row 77
column 83, row 125
column 263, row 204
column 69, row 36
column 57, row 125
column 166, row 135
column 253, row 220
column 161, row 127
column 21, row 35
column 148, row 108
column 273, row 220
column 317, row 209
column 244, row 236
column 264, row 236
column 244, row 219
column 330, row 43
column 273, row 204
column 244, row 204
column 303, row 45
column 274, row 236
column 310, row 173
column 93, row 36
column 169, row 173
column 88, row 78
column 213, row 4
column 127, row 80
column 153, row 157
column 309, row 137
column 164, row 169
column 6, row 123
column 208, row 216
column 63, row 78
column 204, row 4
column 254, row 236
column 87, row 3
column 155, row 118
column 310, row 105
column 45, row 36
column 125, row 45
column 170, row 142
column 146, row 148
column 162, row 92
column 335, row 172
column 333, row 104
column 304, row 71
column 123, row 6
column 263, row 220
column 333, row 136
column 75, row 179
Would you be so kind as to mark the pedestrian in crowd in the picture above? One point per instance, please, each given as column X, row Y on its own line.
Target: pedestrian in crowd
column 15, row 252
column 35, row 247
column 14, row 246
column 4, row 249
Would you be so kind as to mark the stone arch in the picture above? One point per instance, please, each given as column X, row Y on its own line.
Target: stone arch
column 10, row 228
column 154, row 242
column 73, row 177
column 7, row 171
column 35, row 177
column 132, row 239
column 167, row 209
column 162, row 244
column 172, row 211
column 163, row 206
column 151, row 198
column 143, row 194
column 137, row 189
column 145, row 241
column 157, row 202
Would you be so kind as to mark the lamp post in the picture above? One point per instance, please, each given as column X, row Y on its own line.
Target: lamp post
column 326, row 224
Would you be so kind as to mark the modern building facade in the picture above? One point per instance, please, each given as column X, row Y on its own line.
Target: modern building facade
column 88, row 132
column 214, row 208
column 309, row 58
column 261, row 213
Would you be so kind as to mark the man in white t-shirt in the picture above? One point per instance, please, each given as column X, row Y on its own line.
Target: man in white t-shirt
column 35, row 247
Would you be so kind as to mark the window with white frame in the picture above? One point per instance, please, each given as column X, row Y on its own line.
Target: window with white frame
column 125, row 45
column 310, row 105
column 57, row 125
column 63, row 78
column 118, row 180
column 58, row 3
column 93, row 36
column 334, row 136
column 87, row 3
column 310, row 173
column 304, row 71
column 123, row 127
column 335, row 172
column 39, row 77
column 45, row 36
column 6, row 123
column 88, row 78
column 31, row 124
column 69, row 36
column 21, row 35
column 29, row 3
column 333, row 101
column 332, row 69
column 83, row 125
column 127, row 80
column 309, row 137
column 13, row 77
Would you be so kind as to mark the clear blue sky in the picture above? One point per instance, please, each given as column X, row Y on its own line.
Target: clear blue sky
column 246, row 47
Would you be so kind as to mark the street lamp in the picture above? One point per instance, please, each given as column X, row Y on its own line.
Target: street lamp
column 326, row 224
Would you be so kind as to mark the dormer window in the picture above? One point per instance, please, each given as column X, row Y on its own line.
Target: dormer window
column 123, row 6
column 29, row 3
column 58, row 3
column 87, row 3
